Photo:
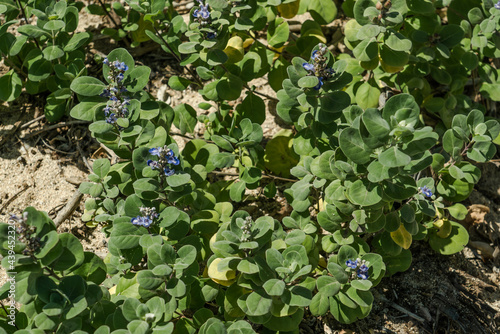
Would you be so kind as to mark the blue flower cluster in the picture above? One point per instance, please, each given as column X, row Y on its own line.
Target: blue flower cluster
column 25, row 234
column 360, row 266
column 117, row 106
column 247, row 230
column 318, row 67
column 166, row 158
column 426, row 191
column 497, row 5
column 202, row 14
column 148, row 215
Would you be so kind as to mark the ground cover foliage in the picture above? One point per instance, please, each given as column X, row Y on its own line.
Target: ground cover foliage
column 372, row 172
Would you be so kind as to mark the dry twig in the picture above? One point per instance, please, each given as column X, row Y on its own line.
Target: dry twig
column 55, row 126
column 68, row 209
column 399, row 308
column 10, row 200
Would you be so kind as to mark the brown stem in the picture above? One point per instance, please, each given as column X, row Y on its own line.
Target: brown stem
column 259, row 93
column 26, row 20
column 52, row 273
column 267, row 176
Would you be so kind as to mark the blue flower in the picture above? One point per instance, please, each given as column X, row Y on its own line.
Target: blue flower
column 363, row 271
column 119, row 77
column 352, row 264
column 497, row 5
column 111, row 119
column 173, row 160
column 426, row 191
column 320, row 83
column 155, row 151
column 308, row 67
column 202, row 12
column 153, row 164
column 122, row 67
column 105, row 93
column 142, row 221
column 168, row 171
column 314, row 54
column 105, row 61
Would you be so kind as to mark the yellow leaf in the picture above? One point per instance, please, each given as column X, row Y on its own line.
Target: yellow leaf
column 444, row 227
column 139, row 35
column 224, row 277
column 234, row 49
column 289, row 10
column 402, row 237
column 321, row 204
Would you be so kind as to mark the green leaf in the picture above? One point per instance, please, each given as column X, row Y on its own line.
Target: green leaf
column 308, row 81
column 453, row 243
column 353, row 146
column 393, row 157
column 363, row 192
column 327, row 285
column 255, row 304
column 18, row 45
column 458, row 211
column 189, row 47
column 320, row 304
column 101, row 167
column 76, row 41
column 366, row 50
column 274, row 287
column 53, row 52
column 279, row 156
column 359, row 10
column 178, row 83
column 137, row 78
column 401, row 107
column 322, row 11
column 367, row 96
column 253, row 108
column 223, row 159
column 398, row 42
column 11, row 86
column 54, row 25
column 360, row 297
column 185, row 118
column 216, row 57
column 363, row 285
column 87, row 86
column 178, row 179
column 451, row 35
column 32, row 31
column 39, row 70
column 229, row 88
column 375, row 124
column 213, row 326
column 277, row 32
column 237, row 191
column 240, row 327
